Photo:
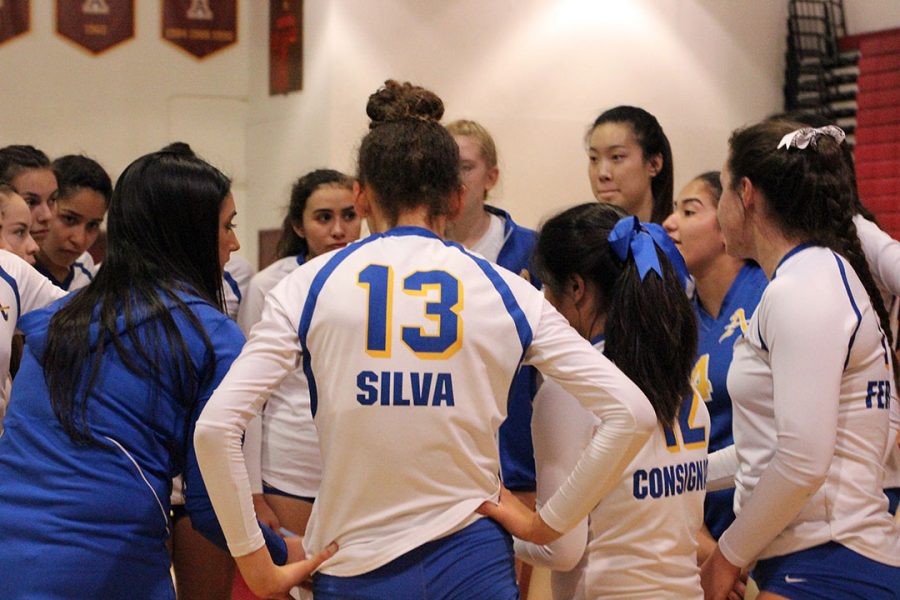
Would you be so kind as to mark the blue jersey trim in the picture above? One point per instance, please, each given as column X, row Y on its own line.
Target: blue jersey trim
column 523, row 329
column 229, row 279
column 597, row 339
column 853, row 304
column 15, row 288
column 793, row 251
column 84, row 270
column 64, row 284
column 310, row 305
column 300, row 259
column 407, row 230
column 761, row 340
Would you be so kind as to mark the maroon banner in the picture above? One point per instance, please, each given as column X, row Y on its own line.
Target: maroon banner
column 285, row 46
column 95, row 25
column 200, row 27
column 14, row 18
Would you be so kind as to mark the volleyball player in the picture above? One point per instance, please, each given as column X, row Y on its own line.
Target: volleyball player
column 812, row 380
column 17, row 224
column 409, row 392
column 492, row 233
column 726, row 292
column 630, row 163
column 81, row 200
column 612, row 279
column 281, row 447
column 112, row 380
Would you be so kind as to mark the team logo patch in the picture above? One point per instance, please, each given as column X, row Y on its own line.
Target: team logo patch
column 4, row 310
column 738, row 320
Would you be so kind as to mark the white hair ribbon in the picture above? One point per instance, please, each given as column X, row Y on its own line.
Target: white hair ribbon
column 801, row 138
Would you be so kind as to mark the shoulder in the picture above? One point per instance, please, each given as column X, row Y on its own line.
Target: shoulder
column 263, row 281
column 239, row 268
column 810, row 289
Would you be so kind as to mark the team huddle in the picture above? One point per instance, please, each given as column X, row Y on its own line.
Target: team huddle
column 653, row 396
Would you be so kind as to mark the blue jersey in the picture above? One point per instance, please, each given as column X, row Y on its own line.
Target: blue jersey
column 91, row 521
column 516, row 448
column 714, row 351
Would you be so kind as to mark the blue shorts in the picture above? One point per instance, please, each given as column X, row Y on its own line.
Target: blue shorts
column 475, row 562
column 827, row 571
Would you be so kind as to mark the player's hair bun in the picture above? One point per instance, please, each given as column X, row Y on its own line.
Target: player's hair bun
column 401, row 101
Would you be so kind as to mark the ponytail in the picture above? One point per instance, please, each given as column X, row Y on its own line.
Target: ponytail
column 651, row 331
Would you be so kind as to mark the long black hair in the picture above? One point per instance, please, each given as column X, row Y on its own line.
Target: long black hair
column 163, row 228
column 810, row 194
column 408, row 159
column 652, row 140
column 291, row 244
column 651, row 331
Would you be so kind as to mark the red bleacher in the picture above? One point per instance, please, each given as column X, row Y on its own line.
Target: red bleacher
column 878, row 124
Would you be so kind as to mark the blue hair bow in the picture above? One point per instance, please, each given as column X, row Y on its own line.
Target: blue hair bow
column 641, row 240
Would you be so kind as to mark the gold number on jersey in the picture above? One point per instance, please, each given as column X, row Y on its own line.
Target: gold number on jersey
column 378, row 282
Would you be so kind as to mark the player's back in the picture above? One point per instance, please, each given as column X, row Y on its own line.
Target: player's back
column 643, row 535
column 410, row 345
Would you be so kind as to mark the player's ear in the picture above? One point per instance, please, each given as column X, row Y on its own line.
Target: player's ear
column 361, row 200
column 576, row 288
column 456, row 203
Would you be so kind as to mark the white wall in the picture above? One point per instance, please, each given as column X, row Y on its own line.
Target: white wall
column 535, row 72
column 864, row 16
column 130, row 100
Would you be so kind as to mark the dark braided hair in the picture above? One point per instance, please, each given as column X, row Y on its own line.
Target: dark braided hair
column 817, row 120
column 408, row 159
column 809, row 195
column 651, row 331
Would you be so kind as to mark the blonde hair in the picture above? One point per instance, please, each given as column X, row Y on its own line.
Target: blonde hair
column 6, row 194
column 477, row 132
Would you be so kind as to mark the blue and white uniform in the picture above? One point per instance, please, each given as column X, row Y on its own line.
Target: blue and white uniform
column 883, row 255
column 235, row 281
column 22, row 289
column 80, row 274
column 410, row 345
column 512, row 250
column 717, row 335
column 91, row 521
column 815, row 417
column 640, row 541
column 281, row 447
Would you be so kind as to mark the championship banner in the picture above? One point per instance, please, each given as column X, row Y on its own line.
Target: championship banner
column 95, row 25
column 14, row 18
column 200, row 27
column 285, row 46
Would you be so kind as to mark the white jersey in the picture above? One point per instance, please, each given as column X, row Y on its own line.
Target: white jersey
column 883, row 255
column 640, row 541
column 409, row 344
column 814, row 417
column 491, row 243
column 280, row 447
column 22, row 289
column 235, row 279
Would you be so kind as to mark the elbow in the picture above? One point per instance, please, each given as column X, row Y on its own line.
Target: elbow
column 205, row 436
column 566, row 558
column 806, row 470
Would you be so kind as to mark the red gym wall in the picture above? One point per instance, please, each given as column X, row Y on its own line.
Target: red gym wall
column 878, row 124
